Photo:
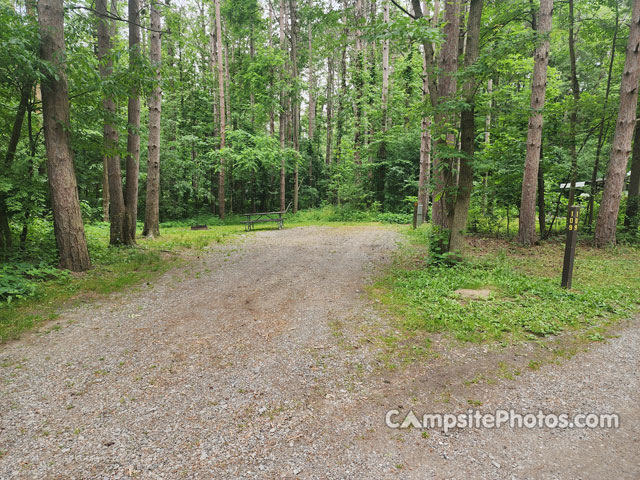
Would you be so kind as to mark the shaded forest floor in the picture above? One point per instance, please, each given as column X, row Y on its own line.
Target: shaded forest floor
column 277, row 355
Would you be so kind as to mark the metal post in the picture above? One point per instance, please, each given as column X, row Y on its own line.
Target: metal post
column 415, row 215
column 570, row 246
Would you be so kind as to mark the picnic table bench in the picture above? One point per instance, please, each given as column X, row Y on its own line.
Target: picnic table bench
column 264, row 217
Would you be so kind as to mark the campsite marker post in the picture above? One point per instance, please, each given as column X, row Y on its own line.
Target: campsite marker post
column 570, row 246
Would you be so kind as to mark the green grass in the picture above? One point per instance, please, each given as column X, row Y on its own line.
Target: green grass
column 526, row 300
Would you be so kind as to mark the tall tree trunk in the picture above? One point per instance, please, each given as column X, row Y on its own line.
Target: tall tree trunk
column 443, row 167
column 272, row 126
column 385, row 71
column 458, row 217
column 573, row 115
column 358, row 83
column 133, row 121
column 5, row 230
column 631, row 219
column 425, row 144
column 120, row 234
column 295, row 99
column 213, row 51
column 621, row 147
column 596, row 164
column 283, row 110
column 541, row 204
column 67, row 217
column 527, row 228
column 227, row 90
column 152, row 208
column 327, row 158
column 221, row 101
column 312, row 104
column 487, row 142
column 105, row 188
column 343, row 88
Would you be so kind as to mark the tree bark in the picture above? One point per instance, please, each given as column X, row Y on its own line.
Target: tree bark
column 67, row 217
column 443, row 167
column 358, row 83
column 621, row 147
column 343, row 90
column 541, row 203
column 527, row 227
column 152, row 208
column 120, row 234
column 221, row 102
column 295, row 99
column 385, row 71
column 573, row 115
column 283, row 110
column 458, row 216
column 312, row 104
column 133, row 122
column 425, row 145
column 632, row 220
column 5, row 230
column 327, row 158
column 596, row 164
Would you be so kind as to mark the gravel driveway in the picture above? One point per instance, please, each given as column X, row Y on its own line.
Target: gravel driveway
column 256, row 362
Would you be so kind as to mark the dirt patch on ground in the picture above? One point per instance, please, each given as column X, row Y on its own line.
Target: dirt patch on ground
column 265, row 359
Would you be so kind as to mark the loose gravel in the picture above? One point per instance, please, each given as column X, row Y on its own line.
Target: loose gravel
column 257, row 362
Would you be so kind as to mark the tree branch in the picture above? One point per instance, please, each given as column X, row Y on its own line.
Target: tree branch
column 402, row 8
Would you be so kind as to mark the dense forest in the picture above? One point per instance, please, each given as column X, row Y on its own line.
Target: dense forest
column 491, row 114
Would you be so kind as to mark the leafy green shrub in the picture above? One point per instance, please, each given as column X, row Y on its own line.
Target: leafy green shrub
column 21, row 280
column 398, row 218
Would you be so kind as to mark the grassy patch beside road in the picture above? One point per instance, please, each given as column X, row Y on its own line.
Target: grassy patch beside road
column 525, row 299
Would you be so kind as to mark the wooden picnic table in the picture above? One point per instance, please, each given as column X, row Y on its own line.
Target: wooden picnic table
column 264, row 217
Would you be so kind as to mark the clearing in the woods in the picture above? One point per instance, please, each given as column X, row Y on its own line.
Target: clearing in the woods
column 278, row 356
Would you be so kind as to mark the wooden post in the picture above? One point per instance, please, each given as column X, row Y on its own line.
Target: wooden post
column 415, row 215
column 570, row 247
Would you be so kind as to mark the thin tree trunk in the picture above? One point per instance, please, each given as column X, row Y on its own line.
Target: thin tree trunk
column 5, row 230
column 542, row 215
column 596, row 164
column 133, row 122
column 385, row 71
column 631, row 219
column 283, row 111
column 152, row 208
column 227, row 90
column 358, row 83
column 120, row 234
column 295, row 99
column 327, row 158
column 272, row 127
column 527, row 227
column 621, row 147
column 221, row 174
column 487, row 142
column 458, row 216
column 573, row 115
column 425, row 141
column 67, row 217
column 213, row 49
column 105, row 188
column 312, row 104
